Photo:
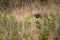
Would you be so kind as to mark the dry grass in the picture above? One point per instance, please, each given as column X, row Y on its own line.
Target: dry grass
column 22, row 14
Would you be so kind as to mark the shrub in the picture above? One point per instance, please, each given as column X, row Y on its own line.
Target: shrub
column 38, row 24
column 45, row 34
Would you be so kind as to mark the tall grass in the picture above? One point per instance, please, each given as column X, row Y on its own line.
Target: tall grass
column 10, row 29
column 22, row 2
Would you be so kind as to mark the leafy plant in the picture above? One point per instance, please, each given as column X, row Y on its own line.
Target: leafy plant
column 25, row 36
column 2, row 29
column 38, row 24
column 12, row 18
column 4, row 18
column 45, row 34
column 52, row 20
column 52, row 16
column 45, row 21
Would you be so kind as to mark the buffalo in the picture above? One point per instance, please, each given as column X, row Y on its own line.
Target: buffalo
column 38, row 15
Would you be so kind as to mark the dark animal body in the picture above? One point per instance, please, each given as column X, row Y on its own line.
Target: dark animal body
column 38, row 15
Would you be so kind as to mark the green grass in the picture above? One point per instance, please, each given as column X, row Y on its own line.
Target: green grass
column 44, row 25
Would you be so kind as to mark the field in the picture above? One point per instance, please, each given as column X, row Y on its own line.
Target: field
column 20, row 23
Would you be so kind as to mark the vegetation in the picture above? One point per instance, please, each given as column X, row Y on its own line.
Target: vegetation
column 12, row 27
column 9, row 3
column 22, row 25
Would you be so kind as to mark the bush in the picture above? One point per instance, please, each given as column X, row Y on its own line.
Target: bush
column 45, row 34
column 38, row 24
